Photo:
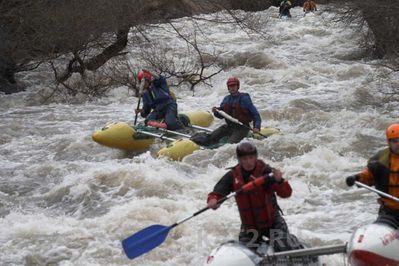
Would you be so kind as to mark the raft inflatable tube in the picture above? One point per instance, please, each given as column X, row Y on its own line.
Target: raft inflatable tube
column 121, row 135
column 374, row 244
column 233, row 253
column 265, row 131
column 177, row 150
column 199, row 118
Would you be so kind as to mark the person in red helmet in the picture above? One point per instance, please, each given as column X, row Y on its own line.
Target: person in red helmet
column 158, row 101
column 259, row 212
column 238, row 105
column 382, row 171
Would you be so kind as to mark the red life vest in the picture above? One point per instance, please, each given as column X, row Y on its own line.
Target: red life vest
column 255, row 207
column 236, row 111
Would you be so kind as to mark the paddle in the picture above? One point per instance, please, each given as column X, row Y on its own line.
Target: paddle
column 162, row 137
column 201, row 128
column 377, row 191
column 137, row 114
column 139, row 101
column 149, row 238
column 316, row 251
column 234, row 120
column 172, row 132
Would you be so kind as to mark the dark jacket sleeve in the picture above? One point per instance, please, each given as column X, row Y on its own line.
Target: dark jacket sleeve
column 147, row 105
column 247, row 103
column 161, row 83
column 368, row 175
column 222, row 188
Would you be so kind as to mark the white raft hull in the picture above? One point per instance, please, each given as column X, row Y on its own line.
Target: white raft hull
column 374, row 245
column 233, row 253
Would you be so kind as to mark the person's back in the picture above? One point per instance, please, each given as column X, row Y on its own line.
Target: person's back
column 158, row 102
column 158, row 95
column 285, row 6
column 285, row 3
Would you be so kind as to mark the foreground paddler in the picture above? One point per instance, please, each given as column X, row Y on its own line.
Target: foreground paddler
column 259, row 211
column 152, row 236
column 238, row 105
column 158, row 101
column 382, row 171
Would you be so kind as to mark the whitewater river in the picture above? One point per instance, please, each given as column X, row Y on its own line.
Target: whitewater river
column 65, row 200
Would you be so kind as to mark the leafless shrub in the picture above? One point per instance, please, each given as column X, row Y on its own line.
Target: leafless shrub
column 77, row 38
column 38, row 31
column 194, row 69
column 381, row 18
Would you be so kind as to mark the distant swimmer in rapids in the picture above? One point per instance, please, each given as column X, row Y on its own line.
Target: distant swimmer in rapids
column 239, row 106
column 158, row 101
column 382, row 171
column 309, row 6
column 285, row 7
column 259, row 211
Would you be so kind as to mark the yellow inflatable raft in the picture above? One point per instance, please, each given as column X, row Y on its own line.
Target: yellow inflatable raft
column 122, row 136
column 178, row 149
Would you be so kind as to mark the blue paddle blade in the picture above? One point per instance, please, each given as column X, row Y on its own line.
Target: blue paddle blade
column 145, row 240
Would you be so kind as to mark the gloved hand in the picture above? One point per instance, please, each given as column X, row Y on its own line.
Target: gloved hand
column 213, row 204
column 269, row 179
column 350, row 180
column 277, row 175
column 256, row 130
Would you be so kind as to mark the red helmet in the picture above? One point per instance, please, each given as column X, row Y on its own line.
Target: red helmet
column 246, row 148
column 393, row 131
column 144, row 74
column 233, row 81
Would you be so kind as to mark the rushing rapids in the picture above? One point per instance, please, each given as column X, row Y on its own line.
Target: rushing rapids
column 66, row 200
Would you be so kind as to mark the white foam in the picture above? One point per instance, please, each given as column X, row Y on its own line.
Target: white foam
column 65, row 199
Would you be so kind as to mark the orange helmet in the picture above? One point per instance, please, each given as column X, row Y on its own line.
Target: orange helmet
column 393, row 131
column 144, row 74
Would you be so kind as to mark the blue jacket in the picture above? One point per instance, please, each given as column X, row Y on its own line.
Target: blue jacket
column 245, row 103
column 157, row 97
